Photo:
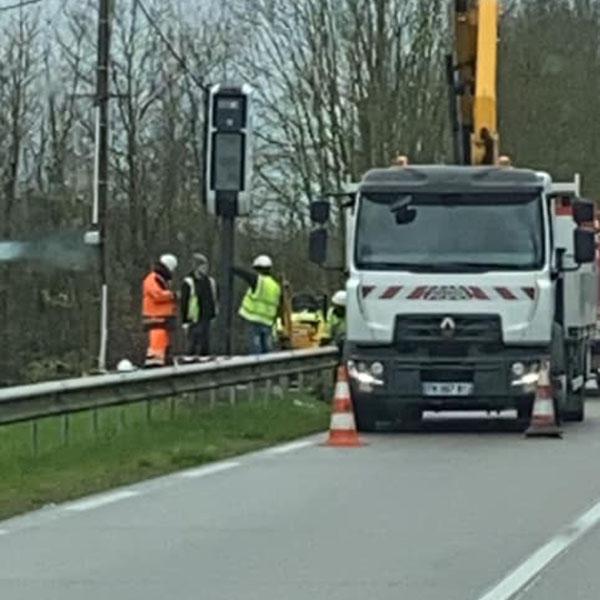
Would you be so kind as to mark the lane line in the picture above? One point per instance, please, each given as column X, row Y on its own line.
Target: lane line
column 291, row 447
column 518, row 579
column 50, row 513
column 102, row 500
column 208, row 470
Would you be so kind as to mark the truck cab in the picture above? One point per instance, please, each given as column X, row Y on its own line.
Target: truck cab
column 457, row 291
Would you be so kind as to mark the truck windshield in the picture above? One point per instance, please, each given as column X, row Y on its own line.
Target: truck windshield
column 460, row 232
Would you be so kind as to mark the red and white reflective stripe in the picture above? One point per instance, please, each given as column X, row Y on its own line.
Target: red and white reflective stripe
column 391, row 292
column 505, row 293
column 447, row 292
column 417, row 293
column 366, row 290
column 478, row 293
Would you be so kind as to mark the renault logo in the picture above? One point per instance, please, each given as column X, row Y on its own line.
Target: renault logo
column 447, row 327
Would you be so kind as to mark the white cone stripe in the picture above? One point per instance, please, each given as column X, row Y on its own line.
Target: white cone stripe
column 543, row 408
column 342, row 390
column 343, row 421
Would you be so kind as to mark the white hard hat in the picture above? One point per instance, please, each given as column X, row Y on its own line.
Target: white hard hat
column 125, row 366
column 262, row 262
column 169, row 261
column 339, row 298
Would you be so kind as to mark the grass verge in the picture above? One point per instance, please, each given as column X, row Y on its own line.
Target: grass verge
column 123, row 446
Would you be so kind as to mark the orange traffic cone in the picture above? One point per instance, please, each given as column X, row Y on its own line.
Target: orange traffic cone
column 342, row 431
column 543, row 415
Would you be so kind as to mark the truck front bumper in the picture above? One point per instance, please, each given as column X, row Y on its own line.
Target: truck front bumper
column 497, row 381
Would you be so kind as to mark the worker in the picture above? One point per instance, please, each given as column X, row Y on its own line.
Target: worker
column 261, row 304
column 198, row 306
column 335, row 325
column 159, row 309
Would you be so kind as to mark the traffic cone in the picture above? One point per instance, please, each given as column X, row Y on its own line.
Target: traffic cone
column 342, row 430
column 543, row 415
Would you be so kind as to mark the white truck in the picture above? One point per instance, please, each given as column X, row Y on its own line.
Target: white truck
column 460, row 281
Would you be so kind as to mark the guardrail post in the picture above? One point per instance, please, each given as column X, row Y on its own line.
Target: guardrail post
column 284, row 381
column 251, row 391
column 268, row 388
column 300, row 383
column 34, row 438
column 232, row 395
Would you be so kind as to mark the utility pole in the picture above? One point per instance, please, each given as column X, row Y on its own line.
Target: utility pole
column 101, row 167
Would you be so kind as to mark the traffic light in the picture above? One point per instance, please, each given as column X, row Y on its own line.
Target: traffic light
column 228, row 154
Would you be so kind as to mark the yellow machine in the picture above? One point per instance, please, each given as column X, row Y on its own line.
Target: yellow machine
column 472, row 70
column 302, row 323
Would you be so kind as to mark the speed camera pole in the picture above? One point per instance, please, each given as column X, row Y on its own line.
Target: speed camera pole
column 228, row 170
column 101, row 168
column 227, row 229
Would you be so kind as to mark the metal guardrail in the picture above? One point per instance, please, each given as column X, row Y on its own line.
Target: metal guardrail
column 28, row 402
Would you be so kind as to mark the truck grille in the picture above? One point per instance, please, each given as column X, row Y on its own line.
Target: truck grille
column 449, row 333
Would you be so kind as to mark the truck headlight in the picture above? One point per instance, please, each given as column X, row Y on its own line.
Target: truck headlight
column 518, row 369
column 366, row 375
column 377, row 369
column 525, row 375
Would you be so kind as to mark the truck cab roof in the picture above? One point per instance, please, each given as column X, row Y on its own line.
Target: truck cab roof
column 436, row 179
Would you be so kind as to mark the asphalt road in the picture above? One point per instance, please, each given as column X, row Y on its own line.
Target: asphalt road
column 456, row 513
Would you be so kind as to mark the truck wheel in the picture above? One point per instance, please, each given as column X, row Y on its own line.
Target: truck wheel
column 366, row 418
column 368, row 415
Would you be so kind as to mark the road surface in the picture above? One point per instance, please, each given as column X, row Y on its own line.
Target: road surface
column 477, row 514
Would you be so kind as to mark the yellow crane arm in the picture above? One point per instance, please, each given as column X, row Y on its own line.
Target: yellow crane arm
column 474, row 72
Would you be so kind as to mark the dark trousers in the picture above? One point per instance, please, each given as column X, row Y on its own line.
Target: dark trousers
column 260, row 338
column 199, row 339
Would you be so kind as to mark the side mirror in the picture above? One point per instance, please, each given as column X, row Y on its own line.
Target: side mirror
column 317, row 246
column 583, row 211
column 585, row 246
column 319, row 212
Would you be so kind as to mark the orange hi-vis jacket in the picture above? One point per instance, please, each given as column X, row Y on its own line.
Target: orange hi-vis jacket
column 159, row 303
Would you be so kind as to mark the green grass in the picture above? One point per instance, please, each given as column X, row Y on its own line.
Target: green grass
column 127, row 448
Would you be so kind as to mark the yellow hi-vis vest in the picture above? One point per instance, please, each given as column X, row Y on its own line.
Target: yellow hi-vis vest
column 262, row 304
column 193, row 309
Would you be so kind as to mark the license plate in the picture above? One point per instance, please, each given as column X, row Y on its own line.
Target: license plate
column 447, row 389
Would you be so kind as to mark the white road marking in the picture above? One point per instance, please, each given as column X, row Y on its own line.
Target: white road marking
column 102, row 500
column 291, row 447
column 48, row 514
column 518, row 579
column 208, row 470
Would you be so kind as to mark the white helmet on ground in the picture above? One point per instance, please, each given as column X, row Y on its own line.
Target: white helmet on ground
column 125, row 366
column 339, row 298
column 262, row 262
column 169, row 261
